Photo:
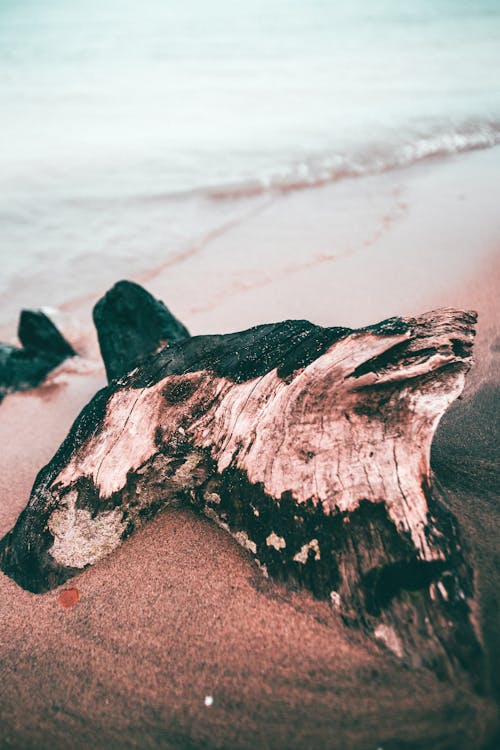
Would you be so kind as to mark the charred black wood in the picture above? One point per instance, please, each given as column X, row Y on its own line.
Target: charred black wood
column 131, row 324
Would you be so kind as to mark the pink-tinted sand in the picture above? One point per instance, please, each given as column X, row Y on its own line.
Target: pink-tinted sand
column 180, row 612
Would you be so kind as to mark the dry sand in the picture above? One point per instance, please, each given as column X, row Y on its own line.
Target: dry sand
column 180, row 612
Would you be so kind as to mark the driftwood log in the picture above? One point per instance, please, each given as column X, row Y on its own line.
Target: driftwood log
column 310, row 445
column 43, row 349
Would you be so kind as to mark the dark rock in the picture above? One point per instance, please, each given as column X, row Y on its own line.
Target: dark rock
column 44, row 348
column 37, row 333
column 131, row 324
column 309, row 445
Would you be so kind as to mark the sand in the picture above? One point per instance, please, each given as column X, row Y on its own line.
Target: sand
column 180, row 613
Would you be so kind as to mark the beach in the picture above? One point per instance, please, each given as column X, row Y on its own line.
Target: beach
column 245, row 163
column 180, row 612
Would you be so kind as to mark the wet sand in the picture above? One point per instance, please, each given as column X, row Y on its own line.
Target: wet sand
column 180, row 612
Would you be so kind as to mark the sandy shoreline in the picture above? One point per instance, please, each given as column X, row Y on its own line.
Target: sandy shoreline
column 425, row 227
column 162, row 623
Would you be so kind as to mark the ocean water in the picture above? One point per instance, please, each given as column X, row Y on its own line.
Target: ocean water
column 129, row 130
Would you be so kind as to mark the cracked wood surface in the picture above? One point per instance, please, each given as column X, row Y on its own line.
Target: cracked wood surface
column 309, row 445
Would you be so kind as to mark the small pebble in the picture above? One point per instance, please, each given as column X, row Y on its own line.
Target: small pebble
column 68, row 598
column 209, row 700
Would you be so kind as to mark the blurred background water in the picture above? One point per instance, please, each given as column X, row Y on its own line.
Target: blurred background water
column 129, row 129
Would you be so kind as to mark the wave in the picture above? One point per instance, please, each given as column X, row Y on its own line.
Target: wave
column 365, row 161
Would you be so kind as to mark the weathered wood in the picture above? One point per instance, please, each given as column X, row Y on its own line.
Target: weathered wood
column 309, row 445
column 131, row 324
column 43, row 349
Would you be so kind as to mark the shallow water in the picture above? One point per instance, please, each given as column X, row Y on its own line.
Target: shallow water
column 131, row 130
